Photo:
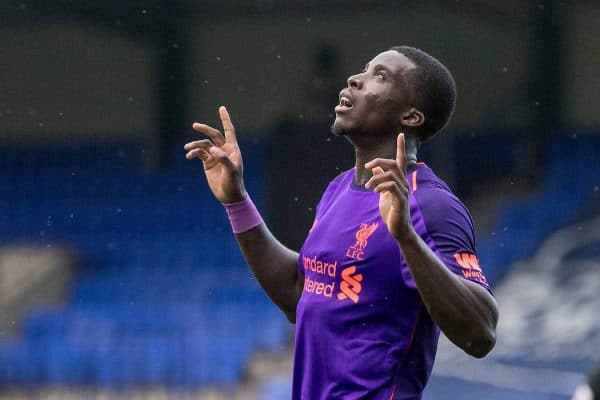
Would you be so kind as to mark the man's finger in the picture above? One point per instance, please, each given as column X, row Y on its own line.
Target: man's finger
column 377, row 171
column 389, row 186
column 204, row 143
column 401, row 153
column 381, row 177
column 198, row 153
column 384, row 163
column 227, row 125
column 211, row 132
column 222, row 157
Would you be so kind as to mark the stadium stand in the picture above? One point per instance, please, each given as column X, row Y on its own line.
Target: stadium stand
column 550, row 332
column 163, row 296
column 569, row 187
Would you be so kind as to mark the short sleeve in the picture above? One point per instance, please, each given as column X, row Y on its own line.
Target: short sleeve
column 330, row 192
column 447, row 228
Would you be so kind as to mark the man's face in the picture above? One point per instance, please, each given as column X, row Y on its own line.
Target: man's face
column 375, row 98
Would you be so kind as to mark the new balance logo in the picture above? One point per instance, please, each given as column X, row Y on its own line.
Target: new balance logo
column 467, row 260
column 471, row 269
column 351, row 284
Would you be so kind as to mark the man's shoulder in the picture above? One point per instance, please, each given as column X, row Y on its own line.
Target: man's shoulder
column 339, row 180
column 422, row 178
column 334, row 188
column 343, row 175
column 433, row 195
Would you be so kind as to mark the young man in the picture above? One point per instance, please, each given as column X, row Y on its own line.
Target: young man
column 391, row 254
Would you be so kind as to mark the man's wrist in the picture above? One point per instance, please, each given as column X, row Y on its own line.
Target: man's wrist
column 243, row 215
column 406, row 236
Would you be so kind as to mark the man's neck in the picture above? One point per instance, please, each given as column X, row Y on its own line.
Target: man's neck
column 380, row 149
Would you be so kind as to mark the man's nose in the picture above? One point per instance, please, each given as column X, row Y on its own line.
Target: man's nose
column 354, row 82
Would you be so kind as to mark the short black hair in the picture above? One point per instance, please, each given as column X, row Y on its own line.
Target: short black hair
column 434, row 90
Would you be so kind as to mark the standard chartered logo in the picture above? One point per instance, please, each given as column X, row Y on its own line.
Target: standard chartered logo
column 321, row 282
column 351, row 284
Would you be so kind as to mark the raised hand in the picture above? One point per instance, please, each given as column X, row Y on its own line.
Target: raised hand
column 221, row 158
column 389, row 180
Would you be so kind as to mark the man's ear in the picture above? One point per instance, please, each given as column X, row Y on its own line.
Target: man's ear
column 412, row 118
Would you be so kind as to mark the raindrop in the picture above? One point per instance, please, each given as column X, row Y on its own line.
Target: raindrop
column 130, row 99
column 278, row 56
column 71, row 215
column 310, row 209
column 175, row 45
column 119, row 210
column 218, row 58
column 144, row 12
column 42, row 233
column 505, row 69
column 60, row 113
column 596, row 188
column 328, row 139
column 22, row 6
column 579, row 228
column 505, row 228
column 41, row 124
column 537, row 103
column 308, row 19
column 296, row 198
column 574, row 136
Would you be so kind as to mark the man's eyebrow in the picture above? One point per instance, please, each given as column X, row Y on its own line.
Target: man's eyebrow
column 381, row 66
column 378, row 66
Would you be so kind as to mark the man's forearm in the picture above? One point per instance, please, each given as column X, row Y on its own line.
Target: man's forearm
column 464, row 311
column 275, row 267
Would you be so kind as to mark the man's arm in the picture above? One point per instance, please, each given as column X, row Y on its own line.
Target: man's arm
column 274, row 265
column 463, row 310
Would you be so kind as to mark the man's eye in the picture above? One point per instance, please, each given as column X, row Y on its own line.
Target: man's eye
column 382, row 75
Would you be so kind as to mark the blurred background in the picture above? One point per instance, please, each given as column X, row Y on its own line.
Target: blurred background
column 119, row 277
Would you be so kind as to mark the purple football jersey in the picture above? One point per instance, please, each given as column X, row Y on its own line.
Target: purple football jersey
column 362, row 331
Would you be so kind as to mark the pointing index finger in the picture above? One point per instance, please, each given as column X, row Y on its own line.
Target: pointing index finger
column 401, row 152
column 227, row 125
